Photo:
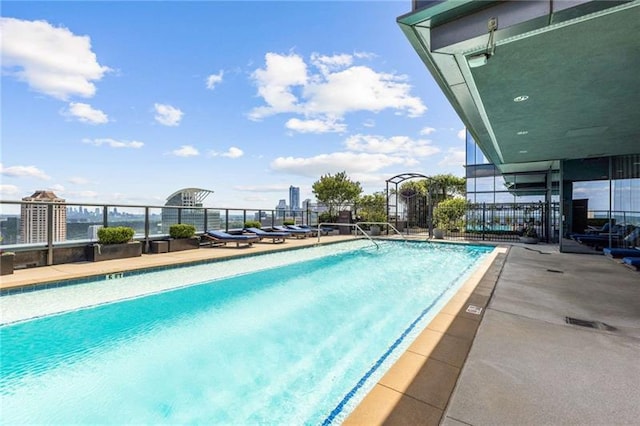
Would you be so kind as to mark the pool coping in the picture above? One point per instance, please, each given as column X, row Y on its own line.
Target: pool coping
column 418, row 386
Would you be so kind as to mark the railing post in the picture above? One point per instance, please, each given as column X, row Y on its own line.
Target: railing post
column 484, row 218
column 105, row 216
column 146, row 229
column 179, row 215
column 50, row 225
column 226, row 220
column 205, row 222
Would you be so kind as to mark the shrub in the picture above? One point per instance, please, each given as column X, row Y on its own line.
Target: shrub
column 289, row 222
column 326, row 217
column 253, row 224
column 115, row 235
column 182, row 230
column 449, row 214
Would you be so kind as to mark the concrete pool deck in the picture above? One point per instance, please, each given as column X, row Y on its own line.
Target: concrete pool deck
column 517, row 362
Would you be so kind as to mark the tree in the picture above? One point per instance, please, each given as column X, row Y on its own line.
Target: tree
column 441, row 187
column 336, row 191
column 373, row 208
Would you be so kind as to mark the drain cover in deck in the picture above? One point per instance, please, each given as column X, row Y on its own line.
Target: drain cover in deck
column 589, row 324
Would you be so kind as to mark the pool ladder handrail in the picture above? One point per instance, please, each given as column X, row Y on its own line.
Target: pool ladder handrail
column 352, row 225
column 384, row 223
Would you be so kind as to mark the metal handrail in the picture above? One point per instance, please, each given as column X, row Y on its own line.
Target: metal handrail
column 384, row 223
column 353, row 225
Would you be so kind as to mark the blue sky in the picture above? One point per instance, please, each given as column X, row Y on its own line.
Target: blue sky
column 127, row 102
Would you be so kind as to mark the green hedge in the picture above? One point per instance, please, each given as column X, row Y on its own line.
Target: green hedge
column 253, row 224
column 115, row 235
column 288, row 222
column 182, row 230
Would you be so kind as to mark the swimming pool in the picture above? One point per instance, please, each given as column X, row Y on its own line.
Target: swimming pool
column 300, row 341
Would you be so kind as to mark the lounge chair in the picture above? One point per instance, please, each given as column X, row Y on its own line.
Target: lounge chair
column 276, row 237
column 632, row 262
column 323, row 230
column 312, row 232
column 222, row 238
column 617, row 253
column 298, row 233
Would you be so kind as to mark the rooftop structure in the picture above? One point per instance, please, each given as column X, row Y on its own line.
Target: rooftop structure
column 545, row 88
column 187, row 197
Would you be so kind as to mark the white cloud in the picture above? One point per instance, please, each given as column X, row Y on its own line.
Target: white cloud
column 335, row 162
column 86, row 113
column 427, row 131
column 453, row 157
column 24, row 171
column 214, row 79
column 77, row 180
column 462, row 133
column 57, row 188
column 326, row 64
column 396, row 145
column 9, row 190
column 186, row 151
column 315, row 126
column 369, row 123
column 51, row 60
column 113, row 143
column 336, row 88
column 167, row 115
column 275, row 81
column 232, row 152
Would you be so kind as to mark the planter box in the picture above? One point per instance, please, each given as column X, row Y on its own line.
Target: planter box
column 161, row 246
column 99, row 252
column 6, row 263
column 179, row 244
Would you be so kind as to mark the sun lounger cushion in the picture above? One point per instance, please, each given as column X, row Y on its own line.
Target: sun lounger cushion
column 632, row 261
column 620, row 252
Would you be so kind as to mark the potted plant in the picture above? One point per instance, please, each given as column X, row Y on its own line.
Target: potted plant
column 6, row 262
column 373, row 208
column 529, row 235
column 449, row 215
column 114, row 242
column 182, row 237
column 253, row 224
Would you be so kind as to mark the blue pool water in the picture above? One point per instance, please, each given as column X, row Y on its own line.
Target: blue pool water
column 299, row 343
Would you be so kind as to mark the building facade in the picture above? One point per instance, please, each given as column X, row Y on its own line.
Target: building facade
column 294, row 198
column 34, row 218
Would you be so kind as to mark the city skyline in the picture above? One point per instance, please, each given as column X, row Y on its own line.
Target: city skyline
column 183, row 95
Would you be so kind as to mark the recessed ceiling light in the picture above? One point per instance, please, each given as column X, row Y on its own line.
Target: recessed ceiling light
column 520, row 98
column 522, row 132
column 523, row 151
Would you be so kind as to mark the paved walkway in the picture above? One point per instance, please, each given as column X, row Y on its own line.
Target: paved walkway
column 527, row 366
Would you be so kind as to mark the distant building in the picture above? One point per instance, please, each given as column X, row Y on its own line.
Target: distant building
column 281, row 209
column 34, row 218
column 188, row 197
column 294, row 198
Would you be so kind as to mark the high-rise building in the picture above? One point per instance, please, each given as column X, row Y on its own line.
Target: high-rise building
column 281, row 209
column 34, row 218
column 188, row 197
column 294, row 197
